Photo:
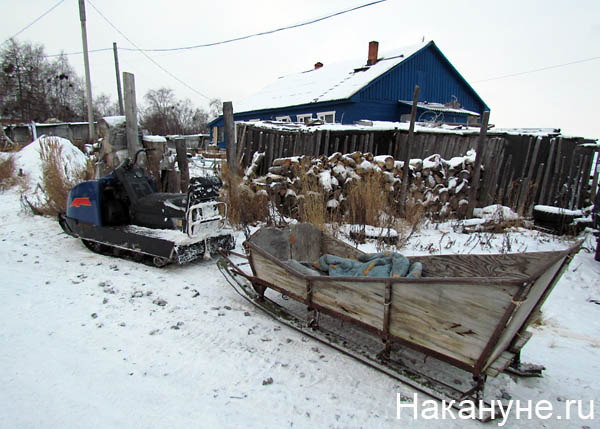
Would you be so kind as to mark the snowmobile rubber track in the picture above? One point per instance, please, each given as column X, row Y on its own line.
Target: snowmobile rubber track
column 242, row 284
column 123, row 243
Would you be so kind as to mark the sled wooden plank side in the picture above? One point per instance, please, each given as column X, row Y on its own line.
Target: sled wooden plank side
column 516, row 266
column 452, row 319
column 279, row 276
column 524, row 308
column 362, row 302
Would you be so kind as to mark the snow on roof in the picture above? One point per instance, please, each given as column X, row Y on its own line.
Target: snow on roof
column 439, row 107
column 336, row 81
column 114, row 121
column 154, row 139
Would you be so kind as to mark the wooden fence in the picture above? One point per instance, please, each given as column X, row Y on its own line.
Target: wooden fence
column 518, row 170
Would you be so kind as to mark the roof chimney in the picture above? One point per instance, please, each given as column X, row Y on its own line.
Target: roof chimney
column 318, row 65
column 373, row 48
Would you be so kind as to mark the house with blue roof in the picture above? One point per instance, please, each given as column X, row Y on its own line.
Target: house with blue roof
column 379, row 88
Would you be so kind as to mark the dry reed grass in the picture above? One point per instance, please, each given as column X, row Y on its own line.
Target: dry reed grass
column 244, row 207
column 55, row 183
column 8, row 177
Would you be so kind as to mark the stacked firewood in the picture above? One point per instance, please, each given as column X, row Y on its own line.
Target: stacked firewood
column 440, row 186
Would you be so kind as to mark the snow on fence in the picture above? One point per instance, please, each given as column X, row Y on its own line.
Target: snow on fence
column 520, row 167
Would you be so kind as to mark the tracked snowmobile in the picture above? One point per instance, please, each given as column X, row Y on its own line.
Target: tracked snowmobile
column 122, row 214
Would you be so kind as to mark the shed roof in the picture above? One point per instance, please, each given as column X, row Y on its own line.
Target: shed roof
column 439, row 107
column 338, row 81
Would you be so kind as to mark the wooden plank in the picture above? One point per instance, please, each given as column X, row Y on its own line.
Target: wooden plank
column 330, row 245
column 525, row 191
column 278, row 275
column 546, row 182
column 353, row 144
column 261, row 139
column 359, row 301
column 572, row 188
column 361, row 143
column 326, row 150
column 346, row 140
column 270, row 150
column 182, row 163
column 585, row 180
column 317, row 144
column 248, row 151
column 396, row 152
column 506, row 177
column 336, row 145
column 536, row 189
column 596, row 176
column 520, row 341
column 296, row 145
column 477, row 167
column 305, row 242
column 230, row 138
column 131, row 125
column 508, row 266
column 523, row 311
column 492, row 169
column 500, row 364
column 453, row 319
column 241, row 145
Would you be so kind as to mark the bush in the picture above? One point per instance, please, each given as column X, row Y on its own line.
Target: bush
column 8, row 177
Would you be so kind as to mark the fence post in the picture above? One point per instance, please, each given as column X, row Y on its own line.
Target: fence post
column 478, row 157
column 133, row 143
column 182, row 162
column 230, row 143
column 411, row 131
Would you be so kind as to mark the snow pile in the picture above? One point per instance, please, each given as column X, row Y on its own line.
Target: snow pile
column 29, row 163
column 495, row 213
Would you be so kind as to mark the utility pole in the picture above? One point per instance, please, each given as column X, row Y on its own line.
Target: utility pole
column 119, row 92
column 86, row 62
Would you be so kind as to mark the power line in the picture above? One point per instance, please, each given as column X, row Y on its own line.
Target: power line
column 263, row 33
column 236, row 39
column 146, row 55
column 537, row 70
column 33, row 22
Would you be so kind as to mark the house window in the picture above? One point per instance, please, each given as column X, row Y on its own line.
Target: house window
column 305, row 118
column 283, row 118
column 327, row 117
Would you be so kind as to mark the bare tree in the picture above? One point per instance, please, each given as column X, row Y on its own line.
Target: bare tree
column 34, row 88
column 163, row 114
column 215, row 108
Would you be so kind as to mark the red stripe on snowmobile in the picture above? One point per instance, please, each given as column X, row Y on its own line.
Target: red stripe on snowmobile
column 81, row 201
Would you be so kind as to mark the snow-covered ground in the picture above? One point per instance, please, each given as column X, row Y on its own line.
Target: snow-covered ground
column 93, row 341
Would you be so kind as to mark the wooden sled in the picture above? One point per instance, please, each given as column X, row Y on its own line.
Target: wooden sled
column 470, row 312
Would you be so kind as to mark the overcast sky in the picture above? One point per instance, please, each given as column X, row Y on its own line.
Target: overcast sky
column 482, row 39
